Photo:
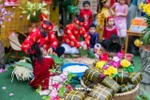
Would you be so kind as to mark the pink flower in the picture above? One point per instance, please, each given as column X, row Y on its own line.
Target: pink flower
column 63, row 78
column 119, row 55
column 68, row 87
column 54, row 94
column 116, row 59
column 102, row 76
column 105, row 67
column 56, row 85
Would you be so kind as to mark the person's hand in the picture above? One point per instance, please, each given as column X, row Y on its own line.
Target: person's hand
column 50, row 51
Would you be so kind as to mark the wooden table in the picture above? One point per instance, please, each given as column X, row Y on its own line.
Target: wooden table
column 131, row 34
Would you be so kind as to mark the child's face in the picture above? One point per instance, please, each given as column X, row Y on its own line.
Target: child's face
column 44, row 52
column 86, row 6
column 111, row 55
column 106, row 4
column 92, row 30
column 111, row 22
column 122, row 1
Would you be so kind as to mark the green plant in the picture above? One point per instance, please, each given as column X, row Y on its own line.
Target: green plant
column 146, row 9
column 145, row 95
column 34, row 10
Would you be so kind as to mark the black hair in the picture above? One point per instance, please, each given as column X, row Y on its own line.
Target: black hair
column 36, row 53
column 105, row 44
column 47, row 22
column 115, row 38
column 80, row 19
column 86, row 2
column 93, row 26
column 114, row 47
column 100, row 5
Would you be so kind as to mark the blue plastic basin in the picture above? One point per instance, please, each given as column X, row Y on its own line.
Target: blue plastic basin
column 79, row 75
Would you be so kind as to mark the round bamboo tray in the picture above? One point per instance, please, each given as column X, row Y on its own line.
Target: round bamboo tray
column 130, row 95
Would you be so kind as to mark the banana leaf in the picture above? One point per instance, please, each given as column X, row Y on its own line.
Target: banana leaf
column 127, row 87
column 110, row 83
column 24, row 64
column 58, row 60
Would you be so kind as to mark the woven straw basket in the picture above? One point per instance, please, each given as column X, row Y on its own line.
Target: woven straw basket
column 130, row 95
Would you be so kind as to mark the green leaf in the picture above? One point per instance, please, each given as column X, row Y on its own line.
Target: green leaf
column 61, row 91
column 145, row 94
column 38, row 89
column 24, row 64
column 46, row 98
column 146, row 38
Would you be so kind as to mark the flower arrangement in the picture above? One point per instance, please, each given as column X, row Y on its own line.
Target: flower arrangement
column 60, row 85
column 4, row 14
column 34, row 11
column 146, row 9
column 110, row 67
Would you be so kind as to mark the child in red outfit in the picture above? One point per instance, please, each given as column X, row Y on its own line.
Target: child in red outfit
column 41, row 64
column 103, row 49
column 86, row 14
column 110, row 28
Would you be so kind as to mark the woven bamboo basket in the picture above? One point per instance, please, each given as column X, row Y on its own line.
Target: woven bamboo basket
column 130, row 95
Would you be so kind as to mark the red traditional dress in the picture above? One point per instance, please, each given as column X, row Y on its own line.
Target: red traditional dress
column 72, row 35
column 108, row 32
column 36, row 36
column 87, row 16
column 41, row 73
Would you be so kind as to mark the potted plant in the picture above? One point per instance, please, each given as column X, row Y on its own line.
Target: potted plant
column 145, row 49
column 35, row 11
column 146, row 9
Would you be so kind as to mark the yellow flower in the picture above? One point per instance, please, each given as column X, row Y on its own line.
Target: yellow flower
column 148, row 12
column 100, row 64
column 141, row 5
column 138, row 43
column 110, row 71
column 146, row 8
column 125, row 63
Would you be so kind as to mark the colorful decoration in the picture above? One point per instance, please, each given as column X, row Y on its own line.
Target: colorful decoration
column 111, row 71
column 60, row 86
column 34, row 10
column 146, row 9
column 138, row 43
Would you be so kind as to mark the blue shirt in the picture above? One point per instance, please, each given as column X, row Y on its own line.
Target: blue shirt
column 93, row 39
column 134, row 2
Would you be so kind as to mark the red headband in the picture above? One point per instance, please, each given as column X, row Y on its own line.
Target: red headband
column 78, row 22
column 48, row 27
column 109, row 18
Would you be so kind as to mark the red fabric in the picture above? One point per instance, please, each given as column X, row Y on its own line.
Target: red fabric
column 45, row 26
column 36, row 36
column 43, row 16
column 104, row 57
column 107, row 33
column 107, row 19
column 87, row 16
column 112, row 2
column 41, row 73
column 122, row 52
column 147, row 1
column 72, row 35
